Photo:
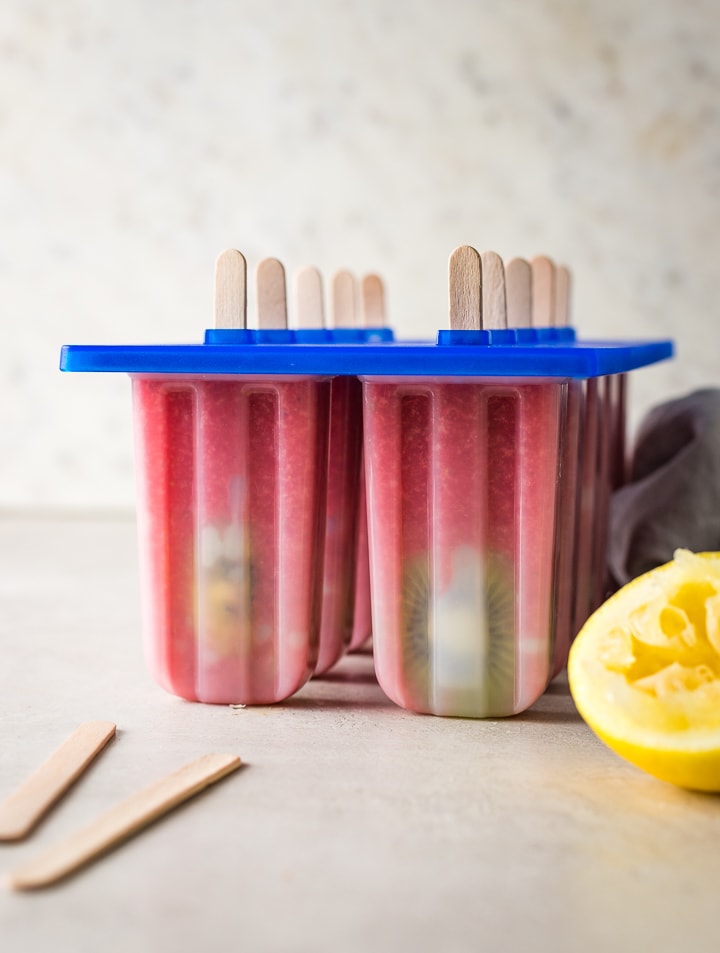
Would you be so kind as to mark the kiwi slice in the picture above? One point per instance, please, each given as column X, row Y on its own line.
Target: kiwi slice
column 415, row 631
column 501, row 663
column 228, row 584
column 489, row 691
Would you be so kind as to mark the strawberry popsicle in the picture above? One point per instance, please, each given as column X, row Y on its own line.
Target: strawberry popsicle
column 232, row 474
column 362, row 618
column 338, row 596
column 343, row 468
column 547, row 290
column 462, row 497
column 372, row 316
column 231, row 479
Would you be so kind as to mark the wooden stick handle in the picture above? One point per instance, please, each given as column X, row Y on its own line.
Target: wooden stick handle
column 343, row 299
column 543, row 291
column 24, row 808
column 122, row 822
column 309, row 310
column 230, row 299
column 372, row 294
column 494, row 307
column 465, row 288
column 518, row 289
column 562, row 296
column 271, row 295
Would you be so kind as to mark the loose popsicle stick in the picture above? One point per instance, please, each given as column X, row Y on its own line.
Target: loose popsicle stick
column 230, row 300
column 465, row 286
column 122, row 822
column 562, row 296
column 543, row 291
column 343, row 299
column 494, row 307
column 518, row 292
column 309, row 309
column 24, row 808
column 271, row 295
column 372, row 296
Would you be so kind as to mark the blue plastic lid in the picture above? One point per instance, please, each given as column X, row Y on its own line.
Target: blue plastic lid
column 544, row 352
column 299, row 336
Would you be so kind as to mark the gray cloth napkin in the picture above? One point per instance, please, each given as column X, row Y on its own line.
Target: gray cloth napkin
column 672, row 498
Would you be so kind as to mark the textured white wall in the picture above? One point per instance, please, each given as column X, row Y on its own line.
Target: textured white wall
column 138, row 139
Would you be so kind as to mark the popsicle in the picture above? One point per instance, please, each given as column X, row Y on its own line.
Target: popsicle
column 344, row 449
column 549, row 291
column 612, row 470
column 589, row 487
column 372, row 315
column 602, row 468
column 231, row 505
column 570, row 500
column 463, row 491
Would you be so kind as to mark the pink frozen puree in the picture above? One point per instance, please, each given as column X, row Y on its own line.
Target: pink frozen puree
column 341, row 527
column 362, row 622
column 567, row 528
column 463, row 484
column 596, row 476
column 231, row 497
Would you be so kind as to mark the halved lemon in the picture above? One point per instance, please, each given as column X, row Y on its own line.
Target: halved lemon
column 644, row 671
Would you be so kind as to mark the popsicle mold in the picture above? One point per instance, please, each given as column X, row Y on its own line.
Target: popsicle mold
column 345, row 449
column 568, row 519
column 362, row 618
column 338, row 595
column 464, row 492
column 489, row 456
column 231, row 515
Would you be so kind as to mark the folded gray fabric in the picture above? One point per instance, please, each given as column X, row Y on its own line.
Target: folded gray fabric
column 672, row 498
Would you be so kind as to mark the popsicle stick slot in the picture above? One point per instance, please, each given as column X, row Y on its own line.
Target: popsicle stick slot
column 122, row 822
column 494, row 307
column 518, row 293
column 271, row 295
column 24, row 808
column 372, row 296
column 343, row 299
column 230, row 298
column 543, row 292
column 465, row 287
column 309, row 309
column 562, row 296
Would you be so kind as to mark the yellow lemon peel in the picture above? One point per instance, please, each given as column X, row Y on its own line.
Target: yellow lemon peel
column 645, row 671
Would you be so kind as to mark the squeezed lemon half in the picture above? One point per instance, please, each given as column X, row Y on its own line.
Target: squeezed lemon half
column 644, row 671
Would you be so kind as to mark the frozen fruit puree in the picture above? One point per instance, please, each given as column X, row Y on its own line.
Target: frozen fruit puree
column 568, row 526
column 344, row 454
column 463, row 488
column 231, row 496
column 362, row 619
column 477, row 451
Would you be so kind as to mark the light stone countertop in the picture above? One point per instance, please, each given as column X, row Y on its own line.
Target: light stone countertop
column 355, row 825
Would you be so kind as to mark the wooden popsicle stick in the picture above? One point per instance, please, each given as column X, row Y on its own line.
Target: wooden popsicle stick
column 309, row 309
column 230, row 299
column 562, row 296
column 23, row 809
column 543, row 291
column 343, row 299
column 271, row 295
column 121, row 822
column 465, row 286
column 372, row 296
column 494, row 307
column 518, row 292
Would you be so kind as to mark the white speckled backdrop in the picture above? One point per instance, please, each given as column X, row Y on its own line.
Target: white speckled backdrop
column 138, row 139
